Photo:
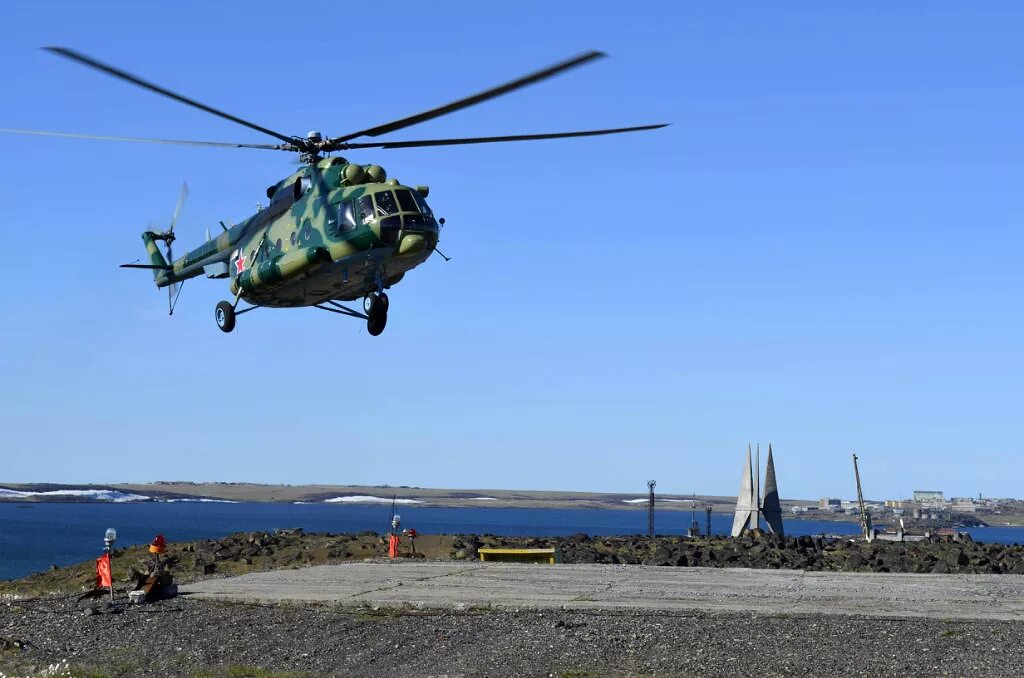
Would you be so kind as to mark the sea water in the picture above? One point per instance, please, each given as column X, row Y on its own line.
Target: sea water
column 35, row 535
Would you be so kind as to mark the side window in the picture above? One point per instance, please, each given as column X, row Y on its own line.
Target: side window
column 366, row 209
column 300, row 187
column 346, row 216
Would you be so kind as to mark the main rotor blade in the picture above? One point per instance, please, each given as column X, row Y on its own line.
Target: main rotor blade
column 118, row 73
column 489, row 140
column 148, row 267
column 177, row 208
column 99, row 137
column 470, row 100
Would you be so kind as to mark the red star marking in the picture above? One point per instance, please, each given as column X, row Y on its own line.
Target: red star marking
column 240, row 263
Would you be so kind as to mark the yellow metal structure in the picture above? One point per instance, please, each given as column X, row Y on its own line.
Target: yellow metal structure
column 548, row 556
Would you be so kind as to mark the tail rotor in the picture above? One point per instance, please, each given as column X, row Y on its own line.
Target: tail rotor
column 174, row 288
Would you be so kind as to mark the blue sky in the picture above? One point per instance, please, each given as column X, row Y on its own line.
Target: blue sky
column 822, row 251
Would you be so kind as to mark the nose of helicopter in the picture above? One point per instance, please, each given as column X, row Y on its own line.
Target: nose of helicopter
column 414, row 243
column 401, row 219
column 418, row 235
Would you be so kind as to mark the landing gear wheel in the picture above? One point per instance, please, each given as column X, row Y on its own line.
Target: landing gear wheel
column 225, row 316
column 377, row 321
column 384, row 301
column 370, row 303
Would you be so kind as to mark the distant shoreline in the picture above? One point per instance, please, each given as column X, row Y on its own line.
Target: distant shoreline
column 185, row 491
column 361, row 494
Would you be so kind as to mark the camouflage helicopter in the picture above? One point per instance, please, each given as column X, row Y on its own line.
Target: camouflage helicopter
column 334, row 231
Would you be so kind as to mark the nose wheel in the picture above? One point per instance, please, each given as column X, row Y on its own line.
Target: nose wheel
column 376, row 307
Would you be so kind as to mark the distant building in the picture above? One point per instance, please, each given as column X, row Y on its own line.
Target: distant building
column 929, row 496
column 903, row 504
column 827, row 502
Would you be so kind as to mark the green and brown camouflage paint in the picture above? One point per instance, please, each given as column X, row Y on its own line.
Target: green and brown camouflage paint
column 297, row 237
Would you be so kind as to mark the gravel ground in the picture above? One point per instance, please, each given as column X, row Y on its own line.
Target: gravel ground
column 190, row 637
column 462, row 585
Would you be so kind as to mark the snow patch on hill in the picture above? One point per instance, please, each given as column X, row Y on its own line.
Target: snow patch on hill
column 95, row 495
column 367, row 499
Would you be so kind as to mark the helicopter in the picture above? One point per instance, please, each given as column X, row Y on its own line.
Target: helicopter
column 334, row 231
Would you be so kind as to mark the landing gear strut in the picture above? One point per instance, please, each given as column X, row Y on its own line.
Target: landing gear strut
column 376, row 307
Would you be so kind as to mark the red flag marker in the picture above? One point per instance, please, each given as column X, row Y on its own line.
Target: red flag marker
column 103, row 577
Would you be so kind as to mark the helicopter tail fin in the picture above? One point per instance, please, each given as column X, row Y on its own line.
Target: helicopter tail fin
column 156, row 259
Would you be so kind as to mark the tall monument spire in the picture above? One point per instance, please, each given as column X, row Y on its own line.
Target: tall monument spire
column 771, row 506
column 756, row 520
column 745, row 501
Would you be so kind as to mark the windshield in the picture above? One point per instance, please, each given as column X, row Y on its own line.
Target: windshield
column 385, row 203
column 405, row 201
column 366, row 209
column 389, row 202
column 422, row 204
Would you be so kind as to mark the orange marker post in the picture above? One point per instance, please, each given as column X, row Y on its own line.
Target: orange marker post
column 393, row 546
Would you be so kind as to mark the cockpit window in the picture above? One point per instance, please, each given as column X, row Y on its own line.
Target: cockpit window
column 366, row 209
column 422, row 204
column 405, row 201
column 346, row 218
column 385, row 203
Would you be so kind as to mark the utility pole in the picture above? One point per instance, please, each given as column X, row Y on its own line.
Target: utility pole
column 865, row 517
column 650, row 508
column 707, row 509
column 694, row 530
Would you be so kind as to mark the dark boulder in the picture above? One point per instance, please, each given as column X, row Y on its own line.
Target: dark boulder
column 662, row 556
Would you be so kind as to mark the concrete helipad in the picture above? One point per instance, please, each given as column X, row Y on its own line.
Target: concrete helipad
column 633, row 587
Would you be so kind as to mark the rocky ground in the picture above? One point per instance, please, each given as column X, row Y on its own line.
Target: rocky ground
column 940, row 556
column 187, row 637
column 43, row 625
